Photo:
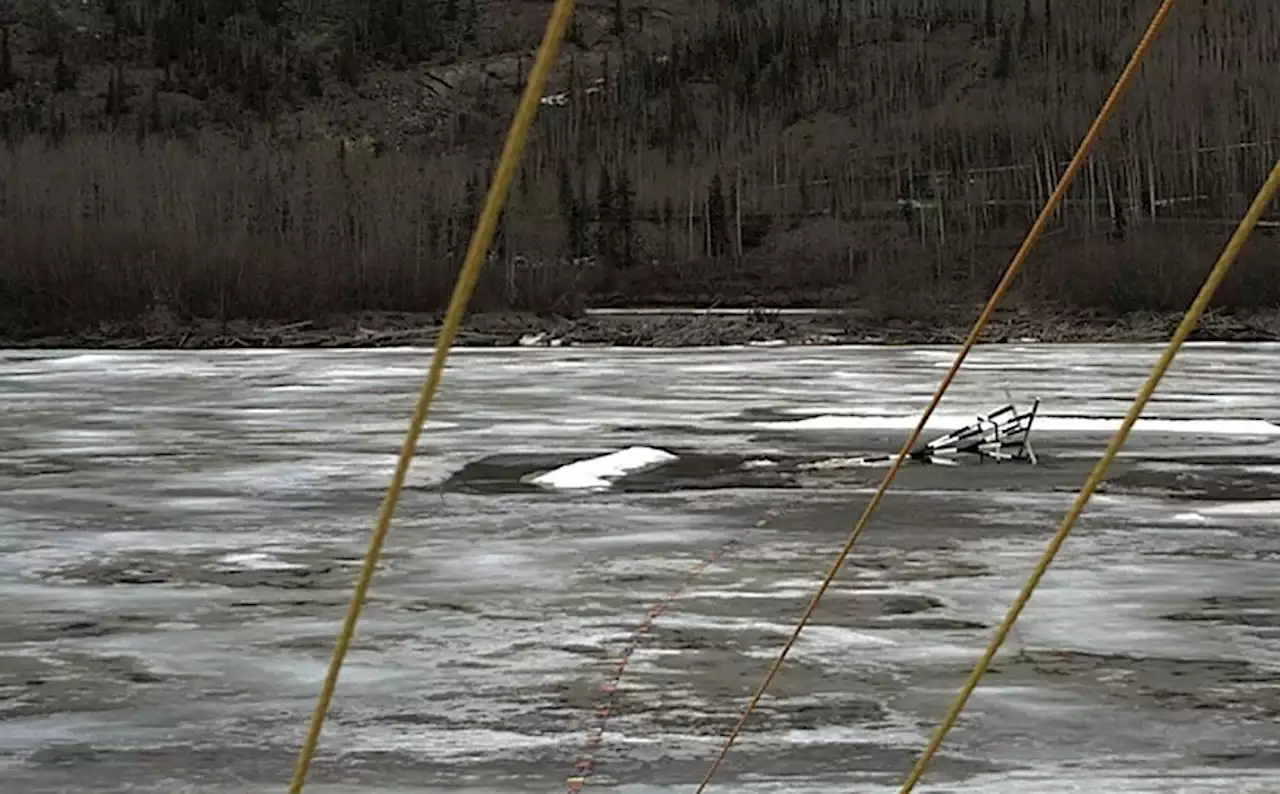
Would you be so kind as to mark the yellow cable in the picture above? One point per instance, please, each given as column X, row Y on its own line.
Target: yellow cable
column 1188, row 323
column 462, row 290
column 1015, row 266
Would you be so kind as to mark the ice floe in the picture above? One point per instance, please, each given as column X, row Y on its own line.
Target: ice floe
column 600, row 472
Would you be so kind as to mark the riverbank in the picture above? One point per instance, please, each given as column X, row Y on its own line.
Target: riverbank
column 654, row 328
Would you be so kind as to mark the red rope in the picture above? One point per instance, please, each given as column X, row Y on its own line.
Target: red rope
column 604, row 707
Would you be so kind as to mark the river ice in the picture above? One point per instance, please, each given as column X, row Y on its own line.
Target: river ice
column 179, row 532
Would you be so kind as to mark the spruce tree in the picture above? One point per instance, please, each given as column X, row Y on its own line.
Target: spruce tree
column 606, row 218
column 7, row 79
column 716, row 215
column 624, row 208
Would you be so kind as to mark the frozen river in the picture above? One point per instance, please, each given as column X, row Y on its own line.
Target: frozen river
column 179, row 532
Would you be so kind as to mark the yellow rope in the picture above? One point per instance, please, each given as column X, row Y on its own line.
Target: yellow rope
column 1188, row 323
column 1086, row 145
column 462, row 290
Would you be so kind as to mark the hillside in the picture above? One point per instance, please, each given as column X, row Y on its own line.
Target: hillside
column 294, row 159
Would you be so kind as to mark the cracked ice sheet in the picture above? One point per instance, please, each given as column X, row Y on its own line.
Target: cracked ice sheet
column 181, row 531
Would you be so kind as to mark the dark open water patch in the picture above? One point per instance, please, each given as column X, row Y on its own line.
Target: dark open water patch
column 1261, row 612
column 31, row 687
column 1214, row 478
column 1244, row 691
column 203, row 569
column 503, row 474
column 665, row 761
column 818, row 470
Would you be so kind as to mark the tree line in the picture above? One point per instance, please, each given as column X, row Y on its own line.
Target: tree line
column 839, row 151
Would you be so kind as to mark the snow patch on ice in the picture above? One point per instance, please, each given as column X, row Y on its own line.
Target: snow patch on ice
column 1259, row 508
column 599, row 473
column 892, row 735
column 540, row 339
column 747, row 594
column 255, row 561
column 1043, row 423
